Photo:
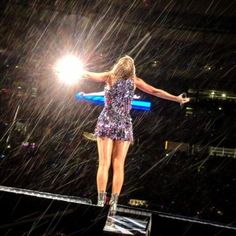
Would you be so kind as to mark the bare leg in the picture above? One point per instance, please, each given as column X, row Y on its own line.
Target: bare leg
column 105, row 146
column 120, row 149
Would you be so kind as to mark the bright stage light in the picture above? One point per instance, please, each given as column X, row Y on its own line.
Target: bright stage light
column 69, row 69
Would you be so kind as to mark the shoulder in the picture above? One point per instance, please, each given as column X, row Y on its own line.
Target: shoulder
column 107, row 75
column 111, row 78
column 137, row 80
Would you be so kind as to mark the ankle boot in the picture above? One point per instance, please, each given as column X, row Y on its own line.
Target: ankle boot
column 101, row 199
column 113, row 203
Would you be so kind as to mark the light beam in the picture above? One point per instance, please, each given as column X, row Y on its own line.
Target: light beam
column 69, row 69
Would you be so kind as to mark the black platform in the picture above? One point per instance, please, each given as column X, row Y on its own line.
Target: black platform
column 27, row 212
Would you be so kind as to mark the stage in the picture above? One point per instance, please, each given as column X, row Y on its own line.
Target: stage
column 28, row 212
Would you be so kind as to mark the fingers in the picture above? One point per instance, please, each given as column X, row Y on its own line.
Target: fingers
column 185, row 100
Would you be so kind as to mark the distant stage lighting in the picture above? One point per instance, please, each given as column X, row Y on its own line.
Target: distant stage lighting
column 69, row 69
column 99, row 99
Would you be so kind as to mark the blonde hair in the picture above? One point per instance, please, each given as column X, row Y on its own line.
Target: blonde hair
column 124, row 68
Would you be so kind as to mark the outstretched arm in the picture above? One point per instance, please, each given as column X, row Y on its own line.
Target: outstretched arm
column 140, row 84
column 98, row 77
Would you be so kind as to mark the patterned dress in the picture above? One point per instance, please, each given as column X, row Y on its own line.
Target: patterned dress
column 115, row 121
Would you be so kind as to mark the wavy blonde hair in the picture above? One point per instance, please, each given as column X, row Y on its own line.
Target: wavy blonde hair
column 124, row 68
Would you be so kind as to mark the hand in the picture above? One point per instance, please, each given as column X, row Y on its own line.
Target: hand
column 182, row 99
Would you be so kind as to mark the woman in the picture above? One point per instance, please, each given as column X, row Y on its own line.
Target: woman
column 114, row 126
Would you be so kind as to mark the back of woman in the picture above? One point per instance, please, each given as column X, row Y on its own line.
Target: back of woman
column 118, row 97
column 115, row 121
column 114, row 126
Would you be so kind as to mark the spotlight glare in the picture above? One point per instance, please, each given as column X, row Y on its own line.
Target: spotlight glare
column 69, row 69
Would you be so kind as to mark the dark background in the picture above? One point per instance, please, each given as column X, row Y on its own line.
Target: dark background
column 178, row 46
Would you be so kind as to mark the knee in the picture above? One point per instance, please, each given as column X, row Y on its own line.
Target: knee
column 105, row 165
column 118, row 165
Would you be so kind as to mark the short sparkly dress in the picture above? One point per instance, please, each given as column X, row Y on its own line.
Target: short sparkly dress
column 115, row 121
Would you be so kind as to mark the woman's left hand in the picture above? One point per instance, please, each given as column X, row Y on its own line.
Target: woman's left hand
column 182, row 99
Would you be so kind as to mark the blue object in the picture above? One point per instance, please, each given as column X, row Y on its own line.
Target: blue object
column 136, row 104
